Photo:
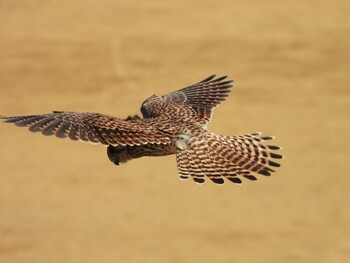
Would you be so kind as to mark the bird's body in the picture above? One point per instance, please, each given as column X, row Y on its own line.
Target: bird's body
column 175, row 123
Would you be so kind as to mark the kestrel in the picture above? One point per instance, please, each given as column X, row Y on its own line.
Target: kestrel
column 175, row 123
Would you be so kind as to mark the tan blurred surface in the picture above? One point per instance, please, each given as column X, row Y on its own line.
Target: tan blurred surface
column 62, row 201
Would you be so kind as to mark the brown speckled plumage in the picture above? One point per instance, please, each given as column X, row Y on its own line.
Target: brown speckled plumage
column 175, row 123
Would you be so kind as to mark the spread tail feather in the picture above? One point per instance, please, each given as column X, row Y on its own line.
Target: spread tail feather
column 226, row 157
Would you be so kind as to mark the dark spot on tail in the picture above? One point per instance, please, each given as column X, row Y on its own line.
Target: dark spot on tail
column 250, row 177
column 235, row 180
column 276, row 156
column 265, row 172
column 218, row 180
column 199, row 180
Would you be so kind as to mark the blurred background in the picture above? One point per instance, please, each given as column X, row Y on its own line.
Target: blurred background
column 62, row 201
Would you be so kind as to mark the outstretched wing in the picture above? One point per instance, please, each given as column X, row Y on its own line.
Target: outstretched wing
column 92, row 127
column 203, row 96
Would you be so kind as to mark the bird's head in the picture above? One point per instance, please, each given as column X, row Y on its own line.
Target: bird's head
column 118, row 154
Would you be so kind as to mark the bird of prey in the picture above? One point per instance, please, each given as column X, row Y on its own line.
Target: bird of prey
column 175, row 123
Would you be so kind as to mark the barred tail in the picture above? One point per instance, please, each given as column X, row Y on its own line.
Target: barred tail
column 226, row 157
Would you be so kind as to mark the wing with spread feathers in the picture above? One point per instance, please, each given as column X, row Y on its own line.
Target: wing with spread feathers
column 92, row 127
column 203, row 96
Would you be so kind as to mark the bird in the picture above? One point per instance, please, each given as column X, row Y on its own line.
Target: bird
column 175, row 123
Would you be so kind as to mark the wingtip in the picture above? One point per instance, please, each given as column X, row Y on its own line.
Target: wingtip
column 220, row 78
column 3, row 118
column 211, row 77
column 216, row 78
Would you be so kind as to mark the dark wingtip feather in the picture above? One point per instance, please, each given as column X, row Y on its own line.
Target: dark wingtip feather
column 220, row 79
column 7, row 119
column 212, row 79
column 208, row 78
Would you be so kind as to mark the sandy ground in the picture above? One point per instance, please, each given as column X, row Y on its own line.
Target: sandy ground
column 62, row 201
